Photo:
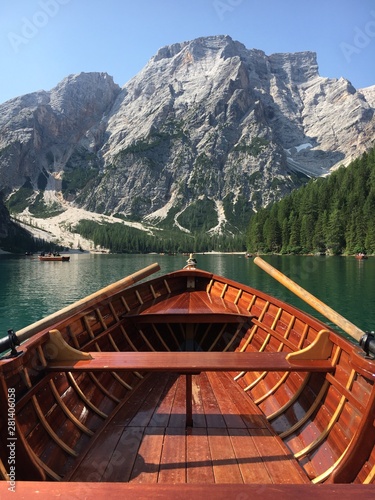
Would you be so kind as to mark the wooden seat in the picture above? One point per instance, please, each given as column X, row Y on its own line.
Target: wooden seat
column 190, row 362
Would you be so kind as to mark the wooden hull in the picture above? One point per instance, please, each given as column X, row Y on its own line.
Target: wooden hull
column 54, row 258
column 238, row 408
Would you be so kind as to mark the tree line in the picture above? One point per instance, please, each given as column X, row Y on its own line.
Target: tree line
column 119, row 238
column 333, row 215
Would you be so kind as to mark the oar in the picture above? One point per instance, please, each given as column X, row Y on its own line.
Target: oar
column 317, row 304
column 96, row 297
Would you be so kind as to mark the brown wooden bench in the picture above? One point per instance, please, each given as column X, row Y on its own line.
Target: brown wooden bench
column 191, row 362
column 188, row 363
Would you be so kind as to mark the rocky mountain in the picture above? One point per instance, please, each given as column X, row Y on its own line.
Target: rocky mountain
column 369, row 94
column 207, row 132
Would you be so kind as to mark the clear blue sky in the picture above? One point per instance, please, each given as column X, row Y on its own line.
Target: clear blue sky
column 42, row 41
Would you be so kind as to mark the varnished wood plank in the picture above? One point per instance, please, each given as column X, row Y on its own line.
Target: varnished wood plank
column 131, row 407
column 250, row 413
column 146, row 411
column 29, row 490
column 203, row 302
column 161, row 415
column 146, row 466
column 190, row 307
column 225, row 465
column 210, row 404
column 178, row 411
column 95, row 462
column 187, row 303
column 199, row 418
column 239, row 403
column 173, row 458
column 228, row 408
column 198, row 460
column 190, row 362
column 122, row 460
column 252, row 467
column 282, row 467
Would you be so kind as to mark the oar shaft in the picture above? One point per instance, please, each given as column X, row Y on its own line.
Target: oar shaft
column 310, row 299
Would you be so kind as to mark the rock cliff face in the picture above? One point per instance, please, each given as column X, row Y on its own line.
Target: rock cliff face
column 207, row 126
column 369, row 95
column 40, row 132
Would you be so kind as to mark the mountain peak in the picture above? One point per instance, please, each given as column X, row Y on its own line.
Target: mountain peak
column 298, row 66
column 206, row 133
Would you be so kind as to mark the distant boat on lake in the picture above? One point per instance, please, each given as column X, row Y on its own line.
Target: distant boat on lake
column 361, row 256
column 54, row 257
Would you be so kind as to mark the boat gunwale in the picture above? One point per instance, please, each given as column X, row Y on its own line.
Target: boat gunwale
column 117, row 491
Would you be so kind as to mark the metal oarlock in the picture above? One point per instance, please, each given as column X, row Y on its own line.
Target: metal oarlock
column 367, row 343
column 10, row 342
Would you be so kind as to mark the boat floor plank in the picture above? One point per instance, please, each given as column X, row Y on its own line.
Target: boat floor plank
column 95, row 461
column 147, row 409
column 227, row 406
column 199, row 417
column 129, row 411
column 212, row 412
column 199, row 463
column 173, row 457
column 161, row 415
column 278, row 460
column 124, row 455
column 225, row 465
column 230, row 441
column 252, row 466
column 178, row 410
column 146, row 467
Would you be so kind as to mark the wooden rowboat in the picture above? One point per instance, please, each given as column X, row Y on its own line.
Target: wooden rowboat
column 361, row 256
column 54, row 258
column 186, row 385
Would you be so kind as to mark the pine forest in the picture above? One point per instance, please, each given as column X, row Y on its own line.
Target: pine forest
column 333, row 215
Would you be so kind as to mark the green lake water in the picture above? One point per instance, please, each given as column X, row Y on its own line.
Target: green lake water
column 31, row 289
